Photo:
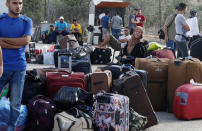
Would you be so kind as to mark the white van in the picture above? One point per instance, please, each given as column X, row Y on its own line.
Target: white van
column 96, row 9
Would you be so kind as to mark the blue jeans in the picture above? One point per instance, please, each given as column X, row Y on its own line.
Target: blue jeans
column 171, row 44
column 16, row 81
column 116, row 33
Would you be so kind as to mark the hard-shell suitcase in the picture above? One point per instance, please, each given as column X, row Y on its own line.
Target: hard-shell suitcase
column 196, row 48
column 157, row 68
column 187, row 102
column 55, row 80
column 180, row 72
column 157, row 92
column 111, row 112
column 100, row 81
column 130, row 84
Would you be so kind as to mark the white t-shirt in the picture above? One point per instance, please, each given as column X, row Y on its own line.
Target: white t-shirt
column 124, row 37
column 101, row 15
column 193, row 25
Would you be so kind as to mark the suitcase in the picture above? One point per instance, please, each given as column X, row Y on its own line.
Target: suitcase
column 180, row 72
column 157, row 68
column 55, row 80
column 187, row 102
column 164, row 53
column 100, row 81
column 130, row 84
column 111, row 112
column 41, row 112
column 71, row 39
column 196, row 47
column 101, row 56
column 157, row 92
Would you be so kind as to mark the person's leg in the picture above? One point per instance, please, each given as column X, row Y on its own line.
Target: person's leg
column 16, row 86
column 182, row 49
column 170, row 44
column 106, row 41
column 64, row 33
column 118, row 33
column 115, row 43
column 114, row 32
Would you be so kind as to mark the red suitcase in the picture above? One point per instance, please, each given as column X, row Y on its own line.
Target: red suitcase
column 55, row 80
column 188, row 102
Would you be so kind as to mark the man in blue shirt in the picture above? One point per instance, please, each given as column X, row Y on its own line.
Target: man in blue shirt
column 61, row 27
column 105, row 21
column 15, row 34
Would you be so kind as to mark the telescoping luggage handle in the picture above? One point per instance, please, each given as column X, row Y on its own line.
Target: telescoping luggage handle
column 67, row 53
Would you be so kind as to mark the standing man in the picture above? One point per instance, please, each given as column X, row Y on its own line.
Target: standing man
column 117, row 22
column 61, row 27
column 105, row 21
column 132, row 23
column 140, row 18
column 15, row 34
column 181, row 28
column 169, row 30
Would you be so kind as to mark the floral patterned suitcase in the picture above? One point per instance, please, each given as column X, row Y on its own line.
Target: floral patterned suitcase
column 111, row 112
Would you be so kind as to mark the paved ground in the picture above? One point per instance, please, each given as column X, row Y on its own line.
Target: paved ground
column 167, row 121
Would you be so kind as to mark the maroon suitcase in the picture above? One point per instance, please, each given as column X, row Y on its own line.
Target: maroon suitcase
column 130, row 84
column 164, row 53
column 55, row 80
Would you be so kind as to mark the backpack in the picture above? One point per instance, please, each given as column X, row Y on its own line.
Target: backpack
column 161, row 31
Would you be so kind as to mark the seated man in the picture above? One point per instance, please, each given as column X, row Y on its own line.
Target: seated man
column 49, row 36
column 114, row 43
column 61, row 27
column 76, row 30
column 1, row 63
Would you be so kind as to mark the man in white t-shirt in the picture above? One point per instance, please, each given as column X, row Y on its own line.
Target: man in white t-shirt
column 125, row 38
column 114, row 43
column 192, row 21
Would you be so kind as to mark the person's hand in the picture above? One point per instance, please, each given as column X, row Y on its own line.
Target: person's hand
column 166, row 39
column 124, row 57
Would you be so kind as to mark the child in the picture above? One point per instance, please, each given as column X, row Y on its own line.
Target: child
column 1, row 63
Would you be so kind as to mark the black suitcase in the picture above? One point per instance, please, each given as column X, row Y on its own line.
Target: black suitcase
column 101, row 56
column 130, row 84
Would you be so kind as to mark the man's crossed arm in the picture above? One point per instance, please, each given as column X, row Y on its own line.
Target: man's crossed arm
column 14, row 43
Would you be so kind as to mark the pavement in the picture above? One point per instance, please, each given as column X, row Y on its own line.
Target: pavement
column 167, row 121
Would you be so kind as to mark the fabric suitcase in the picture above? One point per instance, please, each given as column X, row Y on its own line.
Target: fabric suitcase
column 101, row 56
column 111, row 112
column 164, row 53
column 130, row 84
column 100, row 81
column 187, row 102
column 67, row 122
column 55, row 80
column 63, row 41
column 157, row 92
column 41, row 112
column 157, row 68
column 196, row 47
column 180, row 72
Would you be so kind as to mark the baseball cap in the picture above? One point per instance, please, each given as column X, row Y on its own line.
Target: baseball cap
column 61, row 17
